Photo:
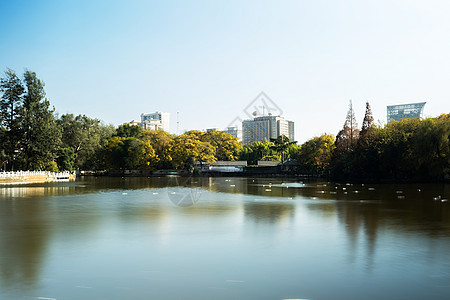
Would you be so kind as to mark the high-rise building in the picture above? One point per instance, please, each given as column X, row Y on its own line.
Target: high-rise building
column 291, row 135
column 405, row 111
column 152, row 120
column 232, row 130
column 266, row 127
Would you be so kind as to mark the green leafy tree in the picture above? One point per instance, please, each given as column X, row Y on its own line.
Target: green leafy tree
column 127, row 130
column 256, row 151
column 315, row 154
column 87, row 137
column 66, row 159
column 42, row 136
column 12, row 90
column 281, row 145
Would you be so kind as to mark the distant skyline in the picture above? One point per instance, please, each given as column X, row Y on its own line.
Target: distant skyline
column 207, row 60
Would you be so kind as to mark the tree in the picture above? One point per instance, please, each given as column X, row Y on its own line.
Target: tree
column 188, row 149
column 280, row 145
column 141, row 155
column 42, row 136
column 11, row 101
column 86, row 136
column 226, row 146
column 315, row 154
column 127, row 130
column 162, row 143
column 348, row 136
column 259, row 151
column 65, row 159
column 368, row 123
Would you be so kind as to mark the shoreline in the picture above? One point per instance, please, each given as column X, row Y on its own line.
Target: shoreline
column 30, row 177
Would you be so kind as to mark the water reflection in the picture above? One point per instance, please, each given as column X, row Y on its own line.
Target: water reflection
column 23, row 236
column 271, row 213
column 311, row 224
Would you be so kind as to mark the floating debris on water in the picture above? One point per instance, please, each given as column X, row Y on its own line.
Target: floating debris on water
column 444, row 200
column 232, row 185
column 124, row 193
column 268, row 190
column 419, row 190
column 401, row 197
column 371, row 189
column 399, row 192
column 155, row 193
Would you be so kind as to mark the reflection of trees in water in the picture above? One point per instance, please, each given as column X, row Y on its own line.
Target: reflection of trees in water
column 357, row 217
column 404, row 208
column 23, row 240
column 28, row 222
column 269, row 212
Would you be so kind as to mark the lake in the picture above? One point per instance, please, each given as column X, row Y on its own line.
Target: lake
column 224, row 238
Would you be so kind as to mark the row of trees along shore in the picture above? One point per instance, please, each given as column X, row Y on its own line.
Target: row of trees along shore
column 34, row 137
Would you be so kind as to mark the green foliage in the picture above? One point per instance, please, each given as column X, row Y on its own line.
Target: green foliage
column 11, row 102
column 53, row 166
column 281, row 145
column 66, row 159
column 263, row 150
column 87, row 137
column 409, row 150
column 315, row 154
column 127, row 130
column 29, row 131
column 42, row 135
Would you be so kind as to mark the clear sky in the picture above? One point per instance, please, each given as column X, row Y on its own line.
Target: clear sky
column 207, row 60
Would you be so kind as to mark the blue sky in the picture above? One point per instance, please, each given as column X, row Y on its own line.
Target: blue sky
column 207, row 60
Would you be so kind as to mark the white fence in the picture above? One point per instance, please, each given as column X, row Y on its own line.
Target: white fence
column 21, row 174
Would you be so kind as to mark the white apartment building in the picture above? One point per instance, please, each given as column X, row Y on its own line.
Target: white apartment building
column 266, row 127
column 155, row 121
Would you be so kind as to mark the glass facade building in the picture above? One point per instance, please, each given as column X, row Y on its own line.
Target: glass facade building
column 405, row 111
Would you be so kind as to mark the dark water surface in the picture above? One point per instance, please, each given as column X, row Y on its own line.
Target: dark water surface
column 224, row 238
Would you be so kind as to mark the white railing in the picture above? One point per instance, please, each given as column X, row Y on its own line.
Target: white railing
column 16, row 174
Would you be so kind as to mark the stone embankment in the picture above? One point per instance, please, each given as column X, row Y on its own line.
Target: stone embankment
column 27, row 177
